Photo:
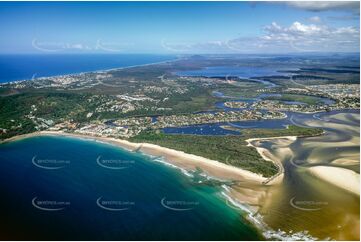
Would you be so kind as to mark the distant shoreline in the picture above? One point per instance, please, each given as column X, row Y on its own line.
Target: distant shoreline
column 94, row 71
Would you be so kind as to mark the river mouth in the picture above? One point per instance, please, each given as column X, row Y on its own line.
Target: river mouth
column 303, row 201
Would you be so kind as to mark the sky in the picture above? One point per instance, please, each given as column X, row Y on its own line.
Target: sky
column 179, row 27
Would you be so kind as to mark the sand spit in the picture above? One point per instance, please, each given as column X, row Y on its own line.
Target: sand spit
column 337, row 176
column 276, row 157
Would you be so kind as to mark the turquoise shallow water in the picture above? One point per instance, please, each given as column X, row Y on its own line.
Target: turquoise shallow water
column 59, row 188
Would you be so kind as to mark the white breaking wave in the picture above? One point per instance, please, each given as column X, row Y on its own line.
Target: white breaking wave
column 161, row 160
column 208, row 177
column 267, row 232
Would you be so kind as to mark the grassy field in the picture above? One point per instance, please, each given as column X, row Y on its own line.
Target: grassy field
column 232, row 150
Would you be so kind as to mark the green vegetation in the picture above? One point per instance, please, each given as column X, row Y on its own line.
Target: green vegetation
column 310, row 100
column 19, row 113
column 241, row 89
column 232, row 150
column 292, row 130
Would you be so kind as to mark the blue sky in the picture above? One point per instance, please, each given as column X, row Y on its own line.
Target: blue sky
column 178, row 27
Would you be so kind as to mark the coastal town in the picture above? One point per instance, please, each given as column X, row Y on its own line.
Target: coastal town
column 129, row 127
column 129, row 110
column 132, row 126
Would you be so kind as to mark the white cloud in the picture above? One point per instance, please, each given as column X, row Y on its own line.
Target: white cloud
column 317, row 6
column 312, row 37
column 279, row 39
column 295, row 29
column 318, row 37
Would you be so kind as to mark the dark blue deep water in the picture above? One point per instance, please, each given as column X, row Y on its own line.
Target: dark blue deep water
column 63, row 203
column 24, row 67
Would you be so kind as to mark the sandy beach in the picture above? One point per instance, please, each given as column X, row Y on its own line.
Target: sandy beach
column 343, row 152
column 177, row 158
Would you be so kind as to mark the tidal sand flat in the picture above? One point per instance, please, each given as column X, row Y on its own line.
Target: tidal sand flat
column 334, row 161
column 319, row 192
column 341, row 177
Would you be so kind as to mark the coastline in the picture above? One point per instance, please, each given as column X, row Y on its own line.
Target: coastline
column 216, row 169
column 246, row 194
column 88, row 72
column 176, row 158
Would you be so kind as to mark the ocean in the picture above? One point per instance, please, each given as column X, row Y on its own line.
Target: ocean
column 61, row 188
column 29, row 66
